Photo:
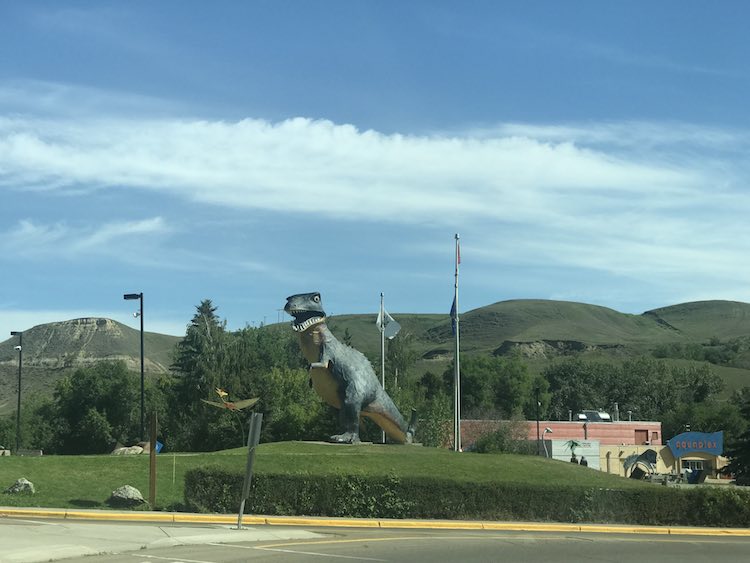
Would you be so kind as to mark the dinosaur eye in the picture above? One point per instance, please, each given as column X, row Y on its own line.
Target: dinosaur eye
column 316, row 298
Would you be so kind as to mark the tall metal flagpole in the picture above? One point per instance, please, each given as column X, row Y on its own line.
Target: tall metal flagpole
column 382, row 349
column 457, row 363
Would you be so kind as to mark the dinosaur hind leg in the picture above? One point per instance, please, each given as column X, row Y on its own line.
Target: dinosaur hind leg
column 349, row 419
column 412, row 428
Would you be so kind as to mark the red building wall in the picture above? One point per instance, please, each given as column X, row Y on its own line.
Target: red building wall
column 607, row 433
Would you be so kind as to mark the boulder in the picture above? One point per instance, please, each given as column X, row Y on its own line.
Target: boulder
column 126, row 497
column 128, row 450
column 21, row 487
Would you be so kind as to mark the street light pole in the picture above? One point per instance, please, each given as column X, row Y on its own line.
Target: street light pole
column 139, row 296
column 18, row 407
column 538, row 404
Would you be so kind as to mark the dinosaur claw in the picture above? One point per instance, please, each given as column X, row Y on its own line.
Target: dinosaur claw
column 345, row 438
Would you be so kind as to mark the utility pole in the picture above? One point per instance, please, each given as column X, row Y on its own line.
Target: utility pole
column 538, row 437
column 18, row 407
column 131, row 297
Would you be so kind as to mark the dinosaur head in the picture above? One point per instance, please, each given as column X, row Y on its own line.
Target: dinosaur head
column 307, row 310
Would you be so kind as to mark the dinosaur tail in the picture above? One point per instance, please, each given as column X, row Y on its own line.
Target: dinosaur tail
column 412, row 428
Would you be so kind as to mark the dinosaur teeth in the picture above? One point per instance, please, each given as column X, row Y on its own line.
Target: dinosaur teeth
column 304, row 325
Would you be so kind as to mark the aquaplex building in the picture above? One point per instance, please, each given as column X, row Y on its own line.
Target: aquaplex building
column 635, row 449
column 627, row 448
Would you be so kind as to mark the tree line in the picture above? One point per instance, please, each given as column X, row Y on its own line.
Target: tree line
column 96, row 407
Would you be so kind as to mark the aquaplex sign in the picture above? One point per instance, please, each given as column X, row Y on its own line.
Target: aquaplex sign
column 697, row 442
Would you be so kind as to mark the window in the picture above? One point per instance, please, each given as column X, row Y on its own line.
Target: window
column 693, row 464
column 654, row 437
column 641, row 437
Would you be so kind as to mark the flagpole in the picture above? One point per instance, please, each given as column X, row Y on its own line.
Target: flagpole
column 382, row 349
column 457, row 363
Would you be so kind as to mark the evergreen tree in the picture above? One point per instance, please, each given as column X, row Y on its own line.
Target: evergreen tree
column 197, row 368
column 262, row 362
column 738, row 450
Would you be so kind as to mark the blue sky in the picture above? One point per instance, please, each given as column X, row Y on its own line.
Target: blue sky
column 245, row 151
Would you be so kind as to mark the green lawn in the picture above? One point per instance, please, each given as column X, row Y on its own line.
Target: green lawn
column 87, row 481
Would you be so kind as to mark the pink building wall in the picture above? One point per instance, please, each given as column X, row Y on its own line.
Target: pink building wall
column 607, row 433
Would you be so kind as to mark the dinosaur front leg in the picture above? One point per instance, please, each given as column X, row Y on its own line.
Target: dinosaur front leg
column 349, row 418
column 315, row 365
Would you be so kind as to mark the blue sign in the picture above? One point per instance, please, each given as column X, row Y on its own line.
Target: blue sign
column 697, row 442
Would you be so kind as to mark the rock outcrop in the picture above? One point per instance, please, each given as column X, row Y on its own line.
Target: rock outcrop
column 21, row 487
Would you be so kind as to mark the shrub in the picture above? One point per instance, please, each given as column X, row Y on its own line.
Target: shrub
column 510, row 437
column 211, row 489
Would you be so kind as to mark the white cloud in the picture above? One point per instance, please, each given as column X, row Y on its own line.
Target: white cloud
column 635, row 135
column 641, row 200
column 28, row 235
column 31, row 239
column 107, row 234
column 54, row 99
column 320, row 168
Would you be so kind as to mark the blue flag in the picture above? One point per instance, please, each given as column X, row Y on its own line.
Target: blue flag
column 454, row 316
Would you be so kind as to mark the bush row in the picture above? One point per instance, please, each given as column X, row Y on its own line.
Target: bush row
column 213, row 489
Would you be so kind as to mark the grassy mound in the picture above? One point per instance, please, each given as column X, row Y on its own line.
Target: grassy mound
column 75, row 481
column 374, row 481
column 87, row 481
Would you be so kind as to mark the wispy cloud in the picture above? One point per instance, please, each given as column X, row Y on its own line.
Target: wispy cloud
column 630, row 135
column 103, row 25
column 107, row 234
column 622, row 56
column 637, row 200
column 63, row 240
column 54, row 99
column 318, row 167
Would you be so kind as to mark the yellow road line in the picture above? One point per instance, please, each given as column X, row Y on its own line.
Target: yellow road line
column 177, row 518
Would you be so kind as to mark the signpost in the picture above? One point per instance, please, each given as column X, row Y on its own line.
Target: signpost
column 152, row 462
column 253, row 437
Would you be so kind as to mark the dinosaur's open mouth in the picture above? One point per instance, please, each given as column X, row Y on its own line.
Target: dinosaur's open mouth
column 305, row 319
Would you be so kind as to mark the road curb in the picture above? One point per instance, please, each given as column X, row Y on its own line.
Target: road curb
column 320, row 522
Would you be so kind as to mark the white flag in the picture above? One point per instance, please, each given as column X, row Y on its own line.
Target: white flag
column 389, row 327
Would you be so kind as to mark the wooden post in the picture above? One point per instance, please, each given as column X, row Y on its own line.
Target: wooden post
column 152, row 464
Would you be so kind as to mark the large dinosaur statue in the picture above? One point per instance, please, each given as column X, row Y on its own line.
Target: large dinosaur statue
column 342, row 376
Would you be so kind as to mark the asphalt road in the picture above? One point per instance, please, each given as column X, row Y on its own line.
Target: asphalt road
column 219, row 544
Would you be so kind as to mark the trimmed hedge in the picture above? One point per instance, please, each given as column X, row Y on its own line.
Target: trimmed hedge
column 213, row 489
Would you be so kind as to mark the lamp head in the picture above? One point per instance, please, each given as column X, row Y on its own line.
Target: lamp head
column 17, row 348
column 130, row 296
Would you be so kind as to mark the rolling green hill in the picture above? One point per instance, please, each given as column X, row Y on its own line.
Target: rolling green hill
column 543, row 331
column 702, row 320
column 539, row 331
column 583, row 326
